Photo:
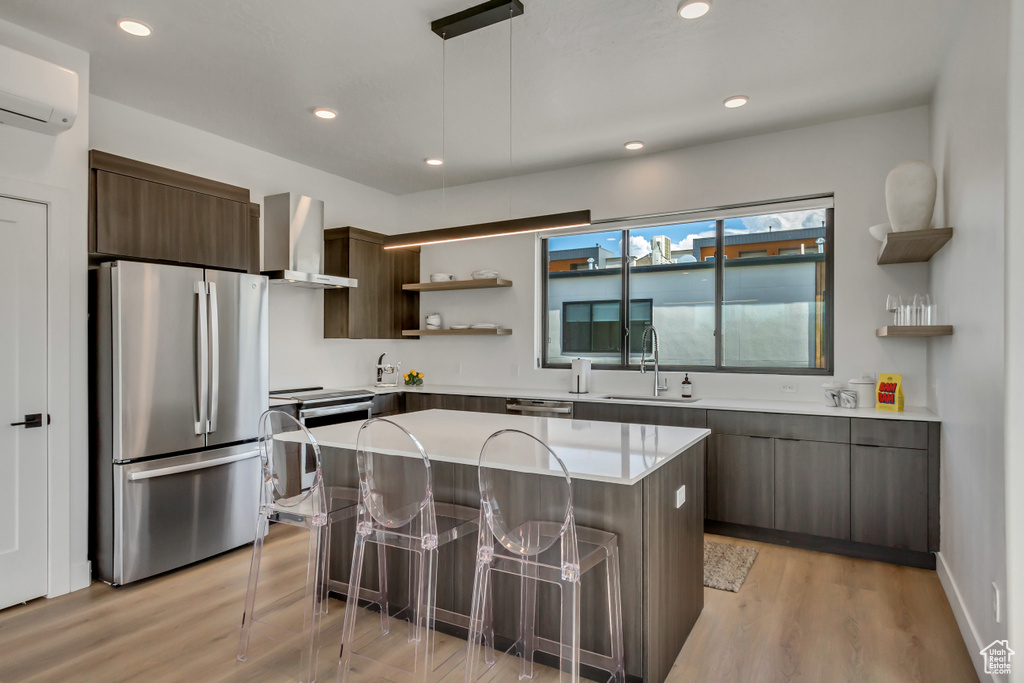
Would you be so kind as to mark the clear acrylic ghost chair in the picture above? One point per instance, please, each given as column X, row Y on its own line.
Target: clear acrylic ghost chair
column 397, row 510
column 531, row 517
column 283, row 444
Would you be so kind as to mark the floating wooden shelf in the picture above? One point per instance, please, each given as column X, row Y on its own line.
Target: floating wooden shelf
column 914, row 246
column 914, row 331
column 429, row 333
column 489, row 283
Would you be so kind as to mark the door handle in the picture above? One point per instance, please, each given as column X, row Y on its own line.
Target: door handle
column 214, row 358
column 202, row 424
column 31, row 421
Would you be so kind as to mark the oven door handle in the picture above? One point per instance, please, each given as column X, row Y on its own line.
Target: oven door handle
column 335, row 410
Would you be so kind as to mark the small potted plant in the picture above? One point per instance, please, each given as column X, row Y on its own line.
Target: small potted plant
column 413, row 379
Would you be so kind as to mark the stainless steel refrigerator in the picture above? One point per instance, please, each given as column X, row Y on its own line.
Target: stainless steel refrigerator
column 179, row 379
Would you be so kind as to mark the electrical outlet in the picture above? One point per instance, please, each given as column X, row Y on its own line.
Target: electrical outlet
column 680, row 496
column 996, row 603
column 788, row 388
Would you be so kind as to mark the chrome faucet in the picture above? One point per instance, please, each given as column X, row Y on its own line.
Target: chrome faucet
column 387, row 369
column 658, row 387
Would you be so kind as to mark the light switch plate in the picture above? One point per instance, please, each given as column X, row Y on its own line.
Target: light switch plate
column 680, row 496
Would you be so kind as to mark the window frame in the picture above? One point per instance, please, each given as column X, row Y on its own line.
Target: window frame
column 719, row 265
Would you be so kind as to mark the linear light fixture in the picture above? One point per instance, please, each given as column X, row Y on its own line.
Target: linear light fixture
column 480, row 16
column 516, row 226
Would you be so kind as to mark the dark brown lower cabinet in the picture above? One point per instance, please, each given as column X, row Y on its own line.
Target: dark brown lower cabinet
column 647, row 415
column 812, row 488
column 479, row 404
column 741, row 480
column 889, row 490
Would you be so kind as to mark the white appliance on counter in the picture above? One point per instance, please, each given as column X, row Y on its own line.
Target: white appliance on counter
column 179, row 380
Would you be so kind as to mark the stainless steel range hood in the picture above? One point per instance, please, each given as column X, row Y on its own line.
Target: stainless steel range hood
column 293, row 243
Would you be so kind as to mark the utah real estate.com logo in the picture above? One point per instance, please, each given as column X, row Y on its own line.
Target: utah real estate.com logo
column 997, row 657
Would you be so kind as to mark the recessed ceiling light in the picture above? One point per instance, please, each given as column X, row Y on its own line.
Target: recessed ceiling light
column 694, row 9
column 635, row 144
column 136, row 28
column 735, row 101
column 433, row 162
column 325, row 113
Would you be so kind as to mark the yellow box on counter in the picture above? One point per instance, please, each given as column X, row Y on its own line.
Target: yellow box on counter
column 889, row 393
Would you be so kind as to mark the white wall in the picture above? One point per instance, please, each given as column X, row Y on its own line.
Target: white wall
column 850, row 158
column 1014, row 309
column 54, row 169
column 299, row 355
column 969, row 138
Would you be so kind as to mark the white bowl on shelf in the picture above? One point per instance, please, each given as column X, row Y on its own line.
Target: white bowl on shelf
column 485, row 274
column 441, row 277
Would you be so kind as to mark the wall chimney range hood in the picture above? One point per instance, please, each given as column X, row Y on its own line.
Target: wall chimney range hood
column 293, row 243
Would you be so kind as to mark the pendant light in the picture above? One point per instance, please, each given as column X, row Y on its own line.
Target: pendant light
column 452, row 26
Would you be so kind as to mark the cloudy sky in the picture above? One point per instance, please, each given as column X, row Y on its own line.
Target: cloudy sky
column 682, row 235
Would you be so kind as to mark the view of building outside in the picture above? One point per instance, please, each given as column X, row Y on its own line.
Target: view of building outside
column 773, row 301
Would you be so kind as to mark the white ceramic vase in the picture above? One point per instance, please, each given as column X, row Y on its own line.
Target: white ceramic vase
column 910, row 196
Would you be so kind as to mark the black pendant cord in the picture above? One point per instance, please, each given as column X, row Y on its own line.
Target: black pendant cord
column 444, row 120
column 510, row 15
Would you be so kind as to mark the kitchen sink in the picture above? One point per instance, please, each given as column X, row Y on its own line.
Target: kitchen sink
column 645, row 397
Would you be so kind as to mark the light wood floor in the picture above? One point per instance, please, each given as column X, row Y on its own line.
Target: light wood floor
column 801, row 616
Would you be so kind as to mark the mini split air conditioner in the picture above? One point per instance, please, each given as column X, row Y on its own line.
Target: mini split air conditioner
column 35, row 94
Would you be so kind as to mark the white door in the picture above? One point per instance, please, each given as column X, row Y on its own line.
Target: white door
column 23, row 500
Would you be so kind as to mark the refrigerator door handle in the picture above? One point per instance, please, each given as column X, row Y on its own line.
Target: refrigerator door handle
column 192, row 466
column 202, row 361
column 214, row 357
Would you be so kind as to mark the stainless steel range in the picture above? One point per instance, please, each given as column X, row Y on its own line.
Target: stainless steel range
column 319, row 407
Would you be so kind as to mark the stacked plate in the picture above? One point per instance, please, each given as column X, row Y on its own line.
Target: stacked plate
column 460, row 327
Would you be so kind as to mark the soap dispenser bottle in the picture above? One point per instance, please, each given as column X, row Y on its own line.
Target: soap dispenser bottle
column 687, row 386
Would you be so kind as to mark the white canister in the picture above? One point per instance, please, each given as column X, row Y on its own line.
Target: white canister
column 865, row 388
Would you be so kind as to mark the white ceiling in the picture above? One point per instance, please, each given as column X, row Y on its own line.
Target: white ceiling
column 588, row 75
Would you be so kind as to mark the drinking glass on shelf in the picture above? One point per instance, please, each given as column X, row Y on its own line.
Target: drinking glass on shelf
column 927, row 310
column 917, row 310
column 892, row 305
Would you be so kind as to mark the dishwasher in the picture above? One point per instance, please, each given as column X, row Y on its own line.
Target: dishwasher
column 539, row 408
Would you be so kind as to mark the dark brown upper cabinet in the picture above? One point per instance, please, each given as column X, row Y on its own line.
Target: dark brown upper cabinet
column 141, row 211
column 378, row 308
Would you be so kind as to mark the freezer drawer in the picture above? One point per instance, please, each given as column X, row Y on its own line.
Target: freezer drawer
column 174, row 511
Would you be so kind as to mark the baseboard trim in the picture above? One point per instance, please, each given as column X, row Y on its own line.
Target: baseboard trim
column 864, row 551
column 972, row 639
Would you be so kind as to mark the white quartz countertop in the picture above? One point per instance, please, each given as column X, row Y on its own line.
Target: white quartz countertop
column 597, row 451
column 704, row 403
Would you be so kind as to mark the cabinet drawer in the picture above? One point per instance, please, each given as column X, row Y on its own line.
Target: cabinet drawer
column 741, row 480
column 812, row 488
column 890, row 433
column 800, row 427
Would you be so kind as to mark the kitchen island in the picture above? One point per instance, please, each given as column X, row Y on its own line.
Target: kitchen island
column 627, row 479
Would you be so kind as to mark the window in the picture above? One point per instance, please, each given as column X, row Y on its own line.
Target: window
column 749, row 291
column 595, row 326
